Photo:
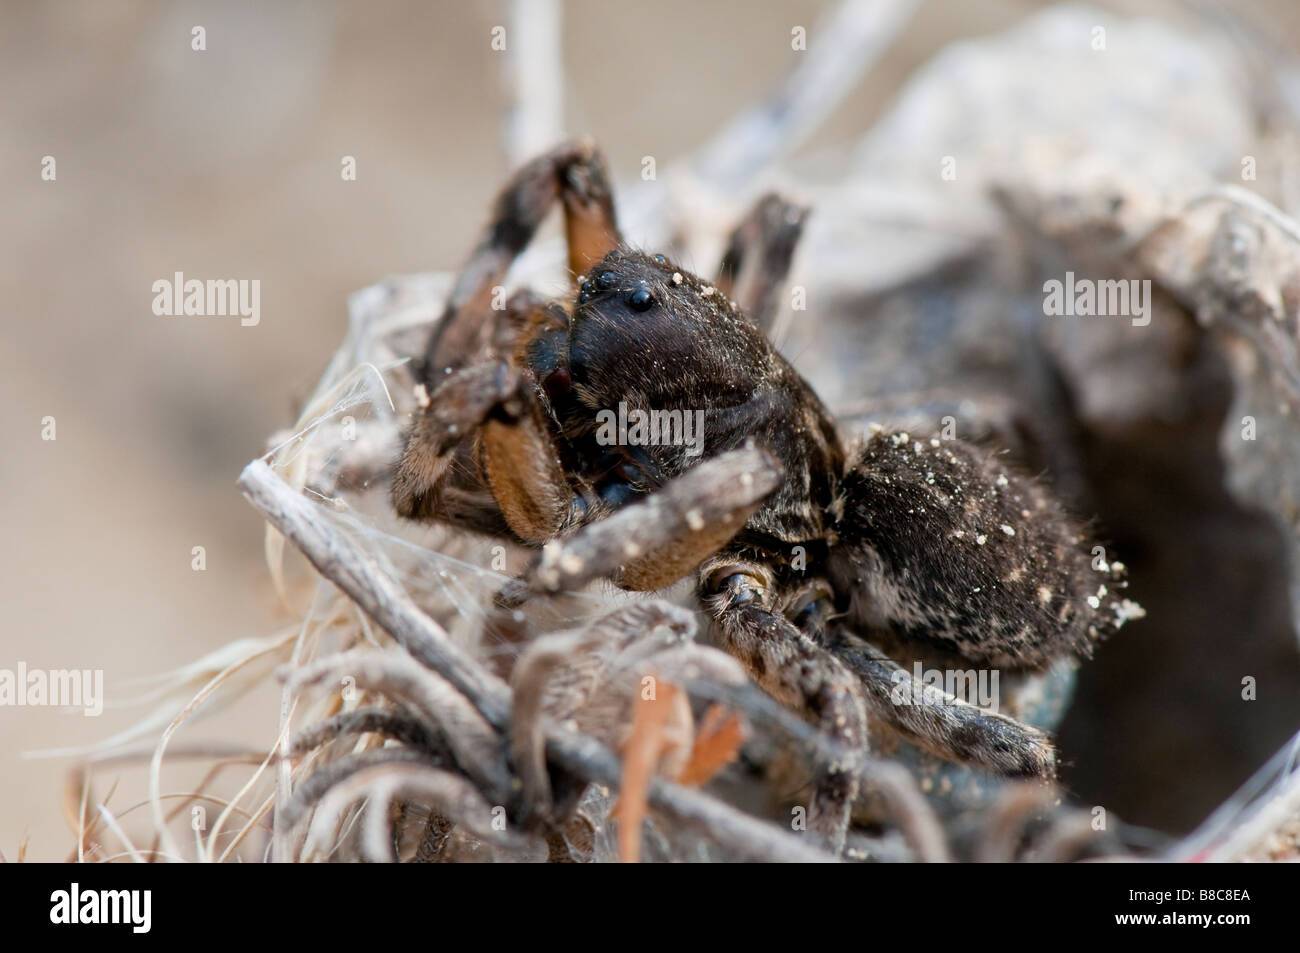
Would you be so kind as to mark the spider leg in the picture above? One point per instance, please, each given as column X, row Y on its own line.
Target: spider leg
column 941, row 723
column 590, row 226
column 573, row 175
column 758, row 257
column 525, row 474
column 471, row 508
column 436, row 450
column 796, row 671
column 479, row 456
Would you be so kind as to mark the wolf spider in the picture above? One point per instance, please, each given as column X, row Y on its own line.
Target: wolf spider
column 812, row 557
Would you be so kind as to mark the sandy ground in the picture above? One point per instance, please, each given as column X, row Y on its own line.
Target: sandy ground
column 226, row 163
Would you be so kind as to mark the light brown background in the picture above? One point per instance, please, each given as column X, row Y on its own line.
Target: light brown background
column 226, row 164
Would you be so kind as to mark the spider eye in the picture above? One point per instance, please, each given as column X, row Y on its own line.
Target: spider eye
column 641, row 299
column 660, row 260
column 742, row 592
column 606, row 280
column 741, row 588
column 811, row 609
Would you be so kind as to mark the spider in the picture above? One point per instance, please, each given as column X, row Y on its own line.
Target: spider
column 815, row 557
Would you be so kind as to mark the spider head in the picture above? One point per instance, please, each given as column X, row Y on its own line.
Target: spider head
column 638, row 283
column 640, row 310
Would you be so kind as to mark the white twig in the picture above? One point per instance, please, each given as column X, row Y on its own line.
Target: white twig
column 116, row 828
column 1261, row 804
column 283, row 785
column 842, row 46
column 534, row 63
column 355, row 572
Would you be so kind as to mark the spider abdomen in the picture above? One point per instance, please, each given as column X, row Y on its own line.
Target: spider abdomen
column 941, row 543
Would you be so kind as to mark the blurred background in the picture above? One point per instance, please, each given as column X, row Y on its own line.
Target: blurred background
column 226, row 163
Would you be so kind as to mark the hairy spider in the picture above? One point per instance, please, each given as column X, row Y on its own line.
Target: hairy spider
column 812, row 557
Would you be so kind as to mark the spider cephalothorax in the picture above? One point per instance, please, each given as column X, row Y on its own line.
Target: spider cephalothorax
column 809, row 555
